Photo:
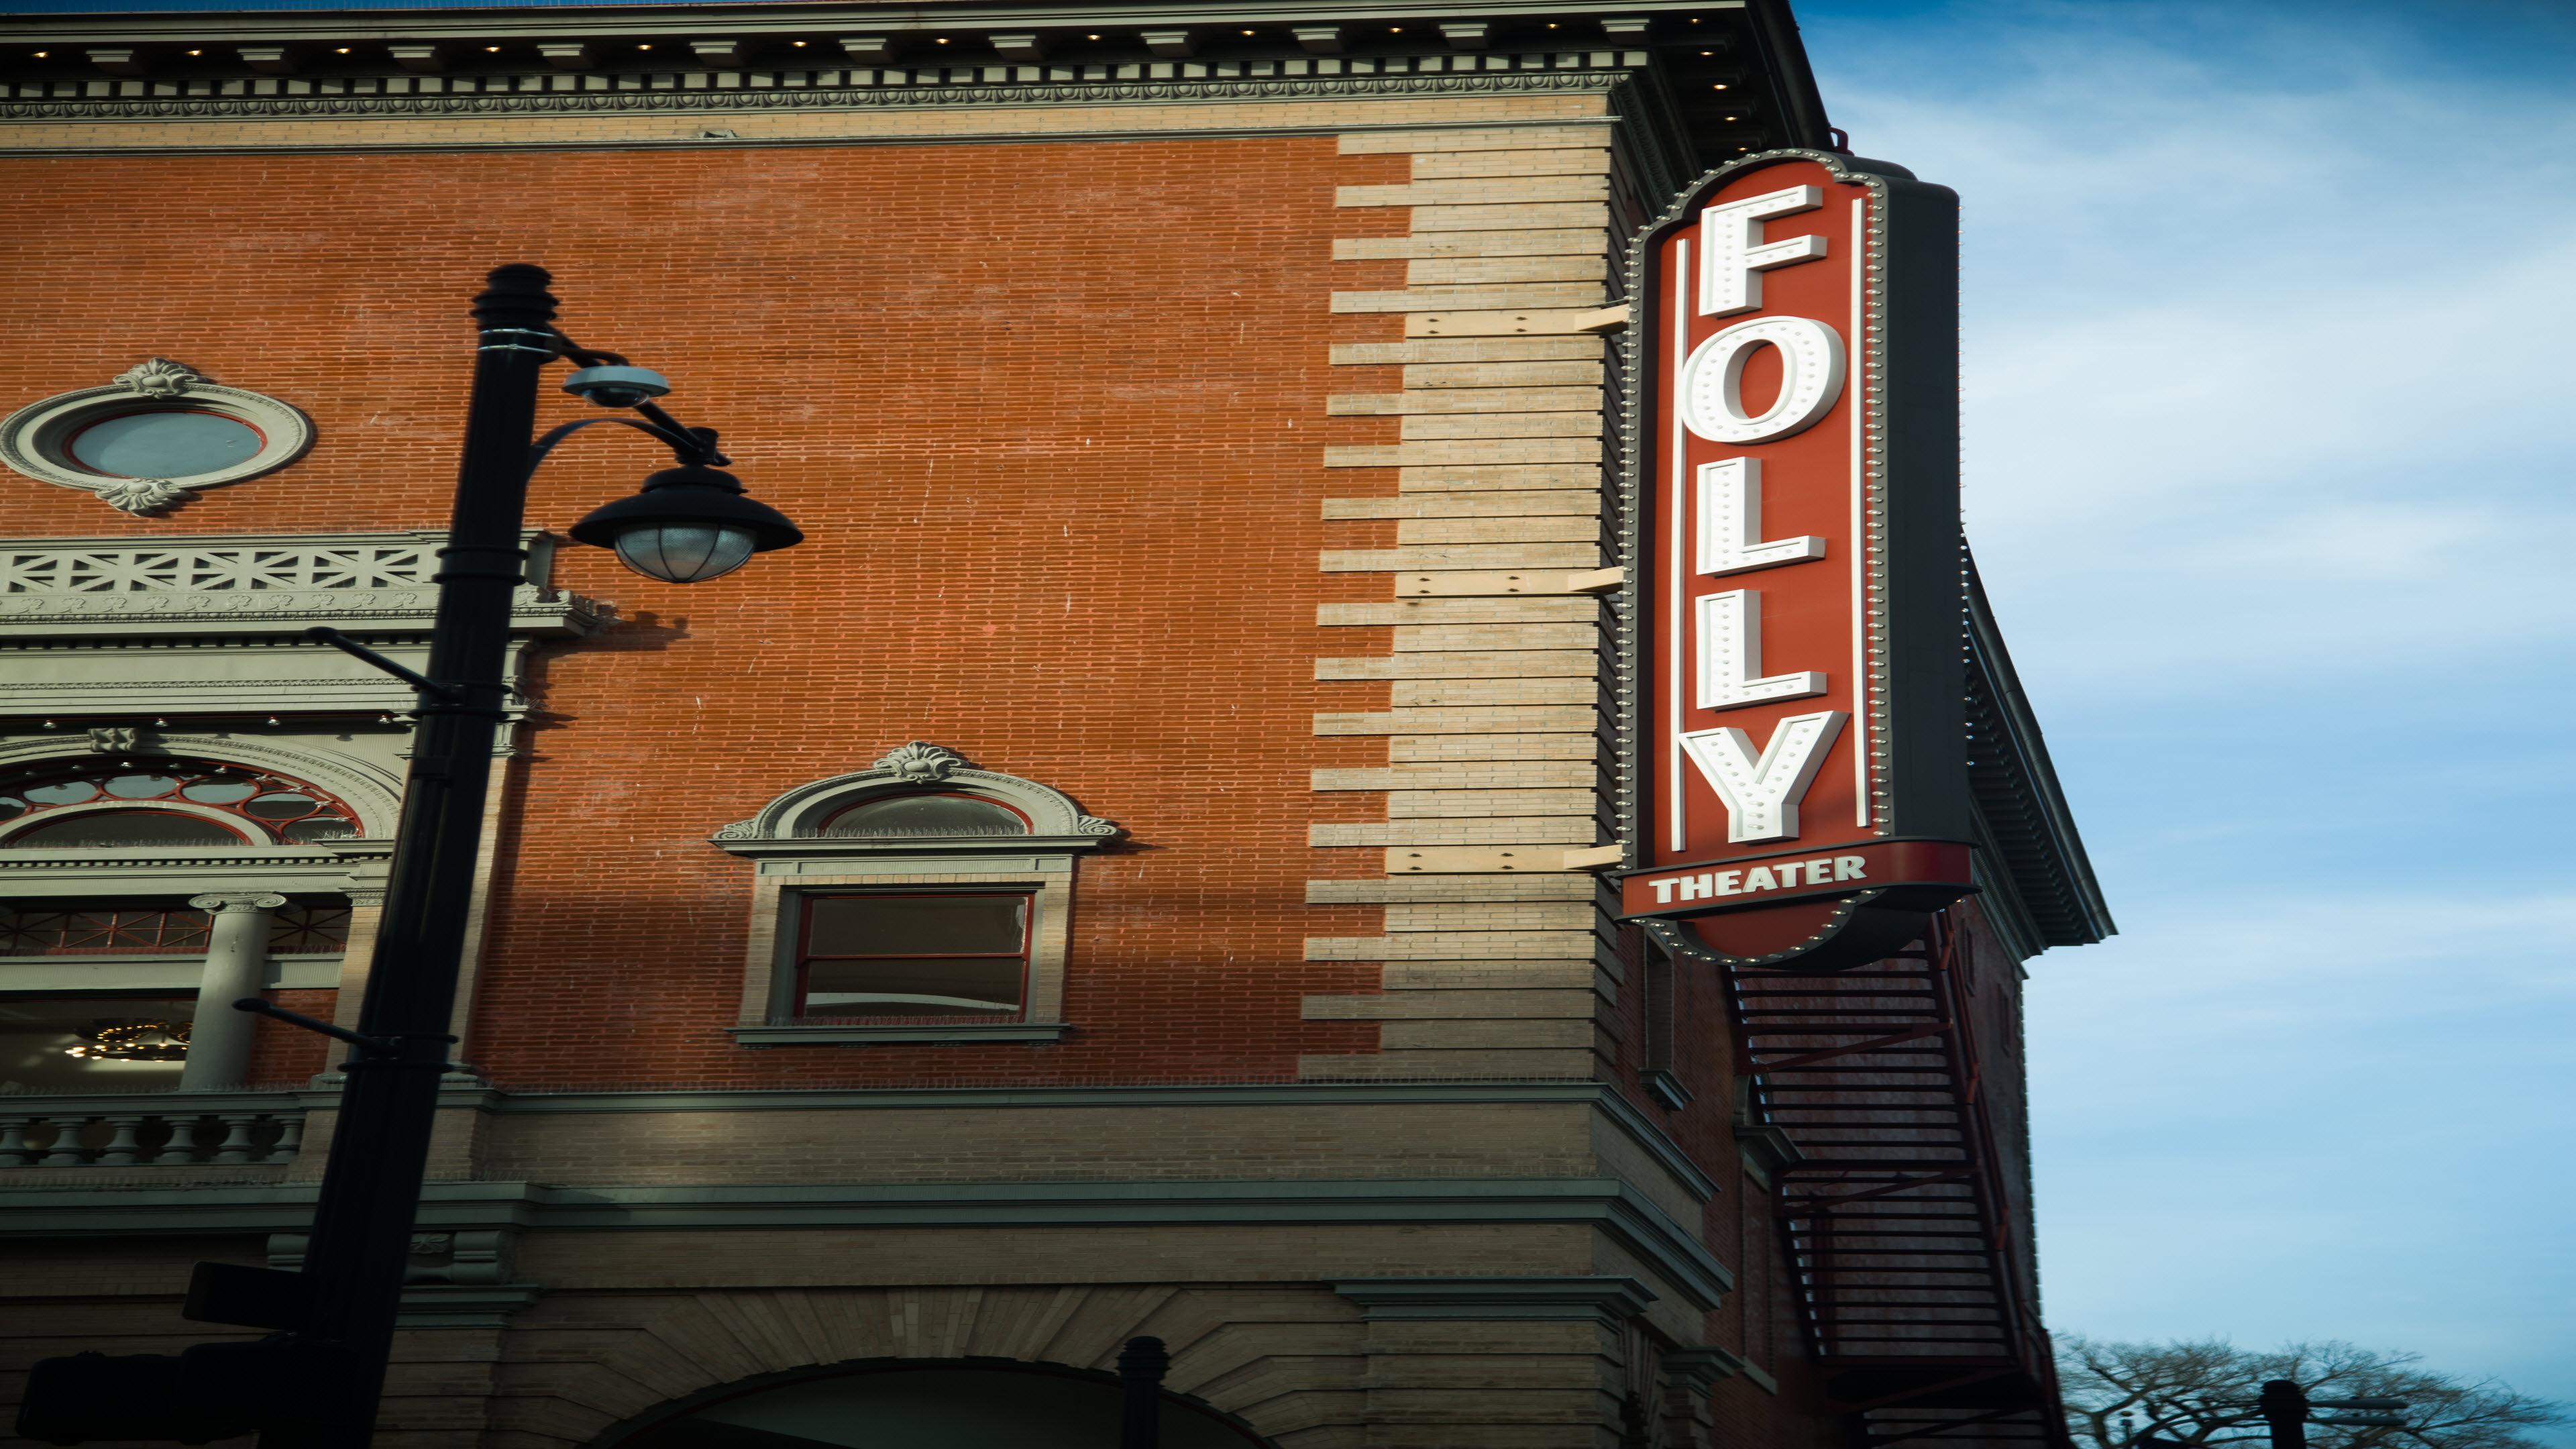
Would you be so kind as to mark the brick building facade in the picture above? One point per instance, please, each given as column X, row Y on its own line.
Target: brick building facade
column 1205, row 424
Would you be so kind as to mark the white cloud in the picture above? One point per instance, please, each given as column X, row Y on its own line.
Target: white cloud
column 2252, row 337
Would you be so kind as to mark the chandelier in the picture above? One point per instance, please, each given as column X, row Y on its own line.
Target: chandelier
column 134, row 1041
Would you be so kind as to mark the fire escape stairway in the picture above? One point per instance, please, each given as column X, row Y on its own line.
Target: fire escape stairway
column 1905, row 1221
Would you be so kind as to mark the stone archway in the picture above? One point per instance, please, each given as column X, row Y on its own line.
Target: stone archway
column 904, row 1403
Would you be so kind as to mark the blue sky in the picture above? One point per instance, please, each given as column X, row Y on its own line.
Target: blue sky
column 2268, row 317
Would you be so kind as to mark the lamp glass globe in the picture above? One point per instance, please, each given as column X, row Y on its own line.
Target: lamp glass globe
column 684, row 553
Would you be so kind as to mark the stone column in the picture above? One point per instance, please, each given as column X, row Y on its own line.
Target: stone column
column 236, row 966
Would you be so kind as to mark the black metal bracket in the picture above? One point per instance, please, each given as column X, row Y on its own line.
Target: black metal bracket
column 689, row 445
column 381, row 1047
column 355, row 650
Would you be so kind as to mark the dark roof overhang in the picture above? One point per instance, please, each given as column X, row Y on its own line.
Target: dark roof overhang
column 2043, row 888
column 1736, row 72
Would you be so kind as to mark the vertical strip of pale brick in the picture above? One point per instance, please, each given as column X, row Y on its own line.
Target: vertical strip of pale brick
column 1493, row 961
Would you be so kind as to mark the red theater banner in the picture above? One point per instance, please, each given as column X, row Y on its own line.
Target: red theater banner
column 1800, row 622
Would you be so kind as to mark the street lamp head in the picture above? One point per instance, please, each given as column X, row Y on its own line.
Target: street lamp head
column 617, row 387
column 689, row 524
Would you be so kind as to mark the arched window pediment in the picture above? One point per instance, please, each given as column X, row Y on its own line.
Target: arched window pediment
column 147, row 799
column 919, row 797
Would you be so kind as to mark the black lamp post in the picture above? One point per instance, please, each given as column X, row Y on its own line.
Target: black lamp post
column 316, row 1385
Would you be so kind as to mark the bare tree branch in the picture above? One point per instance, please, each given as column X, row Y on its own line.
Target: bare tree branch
column 2203, row 1392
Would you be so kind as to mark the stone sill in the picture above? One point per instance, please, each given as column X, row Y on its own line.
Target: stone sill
column 862, row 1033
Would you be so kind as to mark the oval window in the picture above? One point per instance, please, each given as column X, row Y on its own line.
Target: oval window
column 164, row 443
column 151, row 436
column 122, row 828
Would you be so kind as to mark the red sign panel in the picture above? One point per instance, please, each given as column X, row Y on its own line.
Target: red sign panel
column 1800, row 609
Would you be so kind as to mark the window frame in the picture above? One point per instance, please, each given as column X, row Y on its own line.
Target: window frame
column 791, row 859
column 802, row 956
column 1659, row 1013
column 35, row 440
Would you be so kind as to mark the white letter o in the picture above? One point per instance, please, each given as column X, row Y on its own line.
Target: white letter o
column 1811, row 378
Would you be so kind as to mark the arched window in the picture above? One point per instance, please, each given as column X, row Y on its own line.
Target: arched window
column 165, row 803
column 921, row 900
column 927, row 813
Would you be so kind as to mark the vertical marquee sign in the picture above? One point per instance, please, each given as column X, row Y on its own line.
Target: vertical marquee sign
column 1800, row 717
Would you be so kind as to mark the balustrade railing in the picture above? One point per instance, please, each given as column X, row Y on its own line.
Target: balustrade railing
column 173, row 1129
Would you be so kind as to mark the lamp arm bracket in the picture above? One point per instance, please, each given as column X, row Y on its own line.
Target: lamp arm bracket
column 582, row 356
column 379, row 1046
column 682, row 443
column 701, row 446
column 351, row 647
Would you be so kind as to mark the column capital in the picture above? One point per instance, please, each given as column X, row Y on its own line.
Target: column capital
column 227, row 902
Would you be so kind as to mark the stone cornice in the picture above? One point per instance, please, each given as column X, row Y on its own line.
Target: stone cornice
column 1613, row 1208
column 1620, row 1113
column 845, row 88
column 461, row 25
column 1626, row 1116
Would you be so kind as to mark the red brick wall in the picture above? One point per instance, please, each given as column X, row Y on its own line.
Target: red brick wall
column 285, row 1056
column 1051, row 417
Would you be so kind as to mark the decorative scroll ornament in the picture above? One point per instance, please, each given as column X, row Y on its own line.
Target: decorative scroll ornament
column 143, row 496
column 158, row 377
column 922, row 763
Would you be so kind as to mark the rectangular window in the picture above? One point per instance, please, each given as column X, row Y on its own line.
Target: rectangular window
column 1657, row 1056
column 129, row 928
column 948, row 954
